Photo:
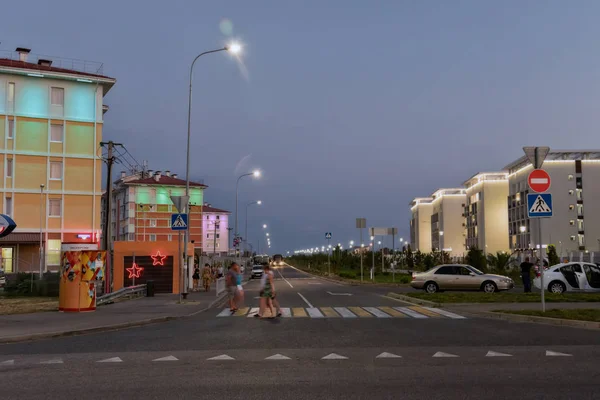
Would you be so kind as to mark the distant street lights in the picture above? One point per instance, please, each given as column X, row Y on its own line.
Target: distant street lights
column 256, row 174
column 258, row 202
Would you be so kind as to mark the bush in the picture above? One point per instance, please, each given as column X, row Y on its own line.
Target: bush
column 405, row 279
column 347, row 275
column 21, row 285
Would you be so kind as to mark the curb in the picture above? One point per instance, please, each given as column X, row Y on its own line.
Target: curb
column 105, row 328
column 412, row 300
column 532, row 319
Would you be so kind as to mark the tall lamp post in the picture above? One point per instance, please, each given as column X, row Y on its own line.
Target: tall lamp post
column 41, row 229
column 255, row 174
column 233, row 48
column 258, row 202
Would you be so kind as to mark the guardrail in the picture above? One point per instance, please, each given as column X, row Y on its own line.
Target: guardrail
column 131, row 291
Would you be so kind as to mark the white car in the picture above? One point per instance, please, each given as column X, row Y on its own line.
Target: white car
column 570, row 277
column 257, row 271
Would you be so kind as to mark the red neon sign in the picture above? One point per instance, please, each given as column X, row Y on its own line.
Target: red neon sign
column 158, row 259
column 134, row 271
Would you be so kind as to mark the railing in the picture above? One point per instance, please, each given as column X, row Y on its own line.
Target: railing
column 130, row 291
column 91, row 67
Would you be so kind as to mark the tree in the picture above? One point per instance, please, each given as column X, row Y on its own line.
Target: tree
column 499, row 261
column 429, row 261
column 410, row 260
column 476, row 258
column 553, row 258
column 419, row 259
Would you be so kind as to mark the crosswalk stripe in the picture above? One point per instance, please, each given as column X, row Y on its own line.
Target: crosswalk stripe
column 376, row 312
column 299, row 312
column 241, row 312
column 392, row 312
column 425, row 311
column 445, row 313
column 253, row 312
column 360, row 312
column 344, row 312
column 410, row 312
column 329, row 313
column 286, row 313
column 314, row 312
column 225, row 313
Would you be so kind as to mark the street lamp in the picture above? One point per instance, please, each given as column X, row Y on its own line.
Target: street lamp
column 258, row 202
column 256, row 174
column 267, row 233
column 234, row 48
column 41, row 231
column 264, row 226
column 440, row 241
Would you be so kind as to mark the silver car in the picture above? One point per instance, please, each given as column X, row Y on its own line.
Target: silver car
column 459, row 277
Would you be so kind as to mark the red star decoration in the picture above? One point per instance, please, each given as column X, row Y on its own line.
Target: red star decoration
column 134, row 271
column 158, row 259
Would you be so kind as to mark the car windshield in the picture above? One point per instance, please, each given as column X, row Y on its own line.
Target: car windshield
column 475, row 270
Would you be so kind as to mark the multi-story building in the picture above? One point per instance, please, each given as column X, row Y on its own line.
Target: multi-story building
column 51, row 118
column 420, row 224
column 485, row 212
column 215, row 223
column 575, row 188
column 447, row 230
column 141, row 207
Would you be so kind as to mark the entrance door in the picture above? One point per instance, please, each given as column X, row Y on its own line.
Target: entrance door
column 8, row 260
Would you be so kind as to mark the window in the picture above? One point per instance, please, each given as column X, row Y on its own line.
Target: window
column 56, row 171
column 218, row 217
column 592, row 273
column 581, row 240
column 53, row 252
column 217, row 226
column 445, row 271
column 56, row 133
column 170, row 238
column 571, row 207
column 57, row 96
column 54, row 207
column 579, row 195
column 208, row 235
column 152, row 237
column 11, row 92
column 580, row 210
column 572, row 238
column 207, row 217
column 572, row 222
column 131, row 237
column 580, row 225
column 571, row 192
column 8, row 208
column 570, row 177
column 11, row 129
column 218, row 235
column 9, row 167
column 153, row 223
column 577, row 166
column 462, row 271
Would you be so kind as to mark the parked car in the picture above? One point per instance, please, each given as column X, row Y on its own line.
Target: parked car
column 257, row 271
column 570, row 277
column 459, row 277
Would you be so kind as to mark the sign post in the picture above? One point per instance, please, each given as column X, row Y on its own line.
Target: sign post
column 361, row 223
column 328, row 237
column 179, row 223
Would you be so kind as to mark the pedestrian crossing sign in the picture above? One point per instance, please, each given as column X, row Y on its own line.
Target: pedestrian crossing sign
column 179, row 222
column 539, row 205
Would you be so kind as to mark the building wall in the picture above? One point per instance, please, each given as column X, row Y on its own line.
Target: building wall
column 453, row 239
column 494, row 231
column 221, row 244
column 421, row 225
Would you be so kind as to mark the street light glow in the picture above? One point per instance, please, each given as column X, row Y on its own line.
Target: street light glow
column 267, row 233
column 256, row 173
column 264, row 226
column 234, row 48
column 259, row 202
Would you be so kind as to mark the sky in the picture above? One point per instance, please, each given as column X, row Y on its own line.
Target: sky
column 349, row 108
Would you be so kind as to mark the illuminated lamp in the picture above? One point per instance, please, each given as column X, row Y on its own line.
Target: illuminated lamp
column 158, row 259
column 84, row 236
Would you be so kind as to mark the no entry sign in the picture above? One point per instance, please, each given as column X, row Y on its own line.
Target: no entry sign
column 539, row 180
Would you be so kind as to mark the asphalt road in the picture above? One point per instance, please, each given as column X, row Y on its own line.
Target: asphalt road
column 436, row 357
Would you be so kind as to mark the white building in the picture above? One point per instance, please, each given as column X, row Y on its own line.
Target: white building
column 486, row 212
column 214, row 224
column 447, row 230
column 575, row 189
column 420, row 224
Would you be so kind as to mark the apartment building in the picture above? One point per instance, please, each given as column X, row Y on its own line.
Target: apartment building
column 51, row 118
column 215, row 223
column 485, row 212
column 420, row 224
column 141, row 208
column 447, row 229
column 575, row 188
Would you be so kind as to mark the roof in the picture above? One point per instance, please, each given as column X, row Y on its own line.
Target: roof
column 209, row 209
column 485, row 176
column 163, row 181
column 556, row 155
column 21, row 237
column 6, row 62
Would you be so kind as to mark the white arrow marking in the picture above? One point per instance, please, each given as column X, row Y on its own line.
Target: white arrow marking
column 168, row 358
column 334, row 356
column 496, row 354
column 340, row 294
column 221, row 357
column 8, row 362
column 557, row 354
column 278, row 357
column 53, row 361
column 388, row 355
column 111, row 360
column 442, row 354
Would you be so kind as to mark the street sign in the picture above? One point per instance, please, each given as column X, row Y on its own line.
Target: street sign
column 7, row 225
column 539, row 205
column 180, row 202
column 179, row 222
column 361, row 223
column 536, row 155
column 539, row 181
column 327, row 235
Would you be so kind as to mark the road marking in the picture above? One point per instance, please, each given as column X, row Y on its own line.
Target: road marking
column 278, row 357
column 111, row 360
column 376, row 312
column 388, row 355
column 299, row 312
column 442, row 354
column 550, row 353
column 445, row 313
column 312, row 283
column 314, row 312
column 360, row 312
column 286, row 312
column 8, row 362
column 329, row 312
column 285, row 279
column 167, row 358
column 225, row 313
column 306, row 301
column 253, row 312
column 52, row 361
column 334, row 356
column 340, row 294
column 221, row 357
column 241, row 312
column 392, row 312
column 344, row 312
column 424, row 311
column 410, row 312
column 496, row 354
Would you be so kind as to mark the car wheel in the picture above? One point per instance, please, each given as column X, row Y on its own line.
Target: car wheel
column 557, row 287
column 431, row 287
column 489, row 287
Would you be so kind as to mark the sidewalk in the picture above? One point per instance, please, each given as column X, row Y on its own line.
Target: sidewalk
column 128, row 313
column 487, row 307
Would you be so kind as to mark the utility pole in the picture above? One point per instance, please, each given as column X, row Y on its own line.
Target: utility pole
column 215, row 238
column 107, row 238
column 228, row 235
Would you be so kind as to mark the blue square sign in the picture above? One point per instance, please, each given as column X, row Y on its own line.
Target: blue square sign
column 539, row 205
column 179, row 222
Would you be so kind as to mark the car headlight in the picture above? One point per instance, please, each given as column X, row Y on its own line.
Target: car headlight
column 506, row 280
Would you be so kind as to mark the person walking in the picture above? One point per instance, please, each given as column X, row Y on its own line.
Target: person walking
column 266, row 293
column 273, row 300
column 231, row 285
column 239, row 290
column 206, row 277
column 196, row 277
column 526, row 274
